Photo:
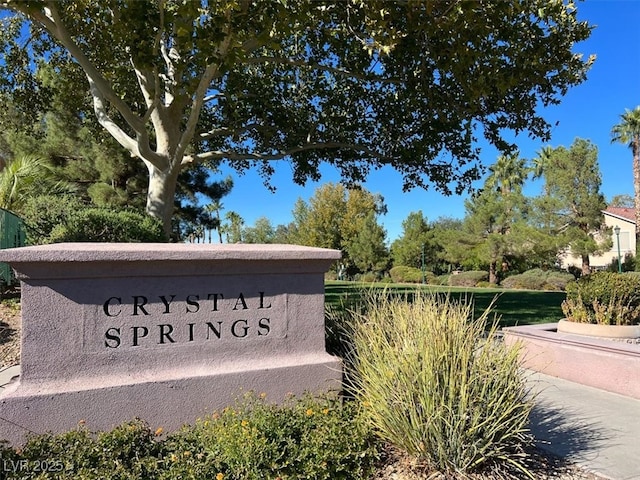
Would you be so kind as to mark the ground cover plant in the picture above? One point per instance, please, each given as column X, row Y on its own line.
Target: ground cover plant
column 305, row 438
column 437, row 385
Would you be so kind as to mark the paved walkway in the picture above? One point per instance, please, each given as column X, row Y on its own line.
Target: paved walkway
column 597, row 430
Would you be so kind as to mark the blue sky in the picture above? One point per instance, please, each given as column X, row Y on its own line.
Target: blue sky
column 587, row 111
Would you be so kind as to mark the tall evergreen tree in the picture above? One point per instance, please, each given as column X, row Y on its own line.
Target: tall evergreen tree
column 573, row 202
column 415, row 239
column 495, row 229
column 628, row 132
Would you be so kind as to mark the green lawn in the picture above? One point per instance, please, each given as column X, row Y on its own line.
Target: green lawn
column 513, row 307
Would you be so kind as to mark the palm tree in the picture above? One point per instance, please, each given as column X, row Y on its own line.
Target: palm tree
column 541, row 162
column 215, row 207
column 23, row 177
column 507, row 174
column 628, row 132
column 234, row 228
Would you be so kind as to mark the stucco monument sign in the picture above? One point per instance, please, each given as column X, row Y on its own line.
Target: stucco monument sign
column 163, row 332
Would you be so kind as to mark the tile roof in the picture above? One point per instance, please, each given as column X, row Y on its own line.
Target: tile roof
column 623, row 212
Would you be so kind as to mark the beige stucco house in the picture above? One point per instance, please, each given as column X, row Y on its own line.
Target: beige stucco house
column 613, row 217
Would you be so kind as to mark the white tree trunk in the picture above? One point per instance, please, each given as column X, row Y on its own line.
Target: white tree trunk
column 161, row 194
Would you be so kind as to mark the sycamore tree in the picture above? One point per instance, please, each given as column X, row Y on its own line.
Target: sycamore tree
column 358, row 84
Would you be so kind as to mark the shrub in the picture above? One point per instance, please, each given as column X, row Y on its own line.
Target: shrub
column 628, row 264
column 52, row 219
column 43, row 213
column 405, row 274
column 307, row 438
column 468, row 279
column 436, row 386
column 538, row 279
column 304, row 439
column 604, row 298
column 367, row 277
column 127, row 452
column 102, row 225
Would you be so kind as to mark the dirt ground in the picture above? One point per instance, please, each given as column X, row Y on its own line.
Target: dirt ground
column 10, row 323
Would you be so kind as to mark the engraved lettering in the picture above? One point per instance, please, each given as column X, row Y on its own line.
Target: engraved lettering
column 264, row 327
column 166, row 302
column 215, row 300
column 213, row 329
column 193, row 303
column 107, row 304
column 165, row 333
column 112, row 340
column 139, row 302
column 241, row 301
column 262, row 305
column 137, row 336
column 244, row 329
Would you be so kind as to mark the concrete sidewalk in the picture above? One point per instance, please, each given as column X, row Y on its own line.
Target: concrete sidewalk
column 597, row 430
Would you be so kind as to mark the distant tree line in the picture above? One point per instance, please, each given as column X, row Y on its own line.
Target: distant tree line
column 503, row 232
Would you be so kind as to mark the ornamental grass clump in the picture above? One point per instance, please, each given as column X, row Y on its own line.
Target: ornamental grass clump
column 439, row 387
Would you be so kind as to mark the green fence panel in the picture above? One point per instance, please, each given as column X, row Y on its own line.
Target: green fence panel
column 12, row 235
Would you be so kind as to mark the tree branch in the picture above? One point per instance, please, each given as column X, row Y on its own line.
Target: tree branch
column 105, row 120
column 219, row 132
column 231, row 155
column 52, row 22
column 324, row 68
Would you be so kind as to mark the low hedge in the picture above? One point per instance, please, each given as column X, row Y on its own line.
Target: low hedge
column 405, row 274
column 538, row 279
column 468, row 279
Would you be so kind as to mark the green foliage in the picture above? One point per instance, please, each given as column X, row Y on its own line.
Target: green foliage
column 23, row 177
column 304, row 439
column 127, row 452
column 628, row 132
column 538, row 279
column 52, row 219
column 468, row 279
column 571, row 207
column 343, row 219
column 367, row 249
column 183, row 83
column 404, row 274
column 416, row 237
column 439, row 387
column 604, row 298
column 628, row 263
column 43, row 213
column 103, row 225
column 254, row 440
column 495, row 230
column 261, row 232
